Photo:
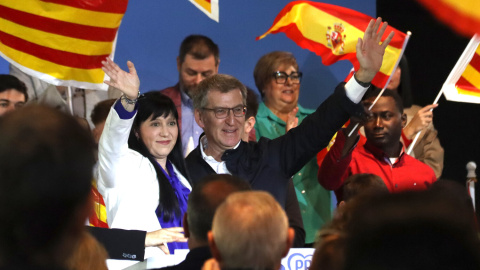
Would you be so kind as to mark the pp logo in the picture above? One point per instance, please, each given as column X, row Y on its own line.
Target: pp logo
column 129, row 256
column 297, row 261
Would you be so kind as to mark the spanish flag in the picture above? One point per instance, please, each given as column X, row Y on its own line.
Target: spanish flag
column 332, row 33
column 463, row 83
column 98, row 217
column 463, row 16
column 60, row 41
column 209, row 7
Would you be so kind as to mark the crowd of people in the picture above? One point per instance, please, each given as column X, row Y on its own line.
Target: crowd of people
column 203, row 166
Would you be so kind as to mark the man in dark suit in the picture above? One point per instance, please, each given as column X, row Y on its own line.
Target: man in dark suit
column 220, row 105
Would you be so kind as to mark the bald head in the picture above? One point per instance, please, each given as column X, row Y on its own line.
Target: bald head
column 250, row 230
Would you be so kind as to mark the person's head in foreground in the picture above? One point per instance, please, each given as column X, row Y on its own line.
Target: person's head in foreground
column 412, row 230
column 362, row 183
column 204, row 199
column 250, row 230
column 329, row 247
column 45, row 178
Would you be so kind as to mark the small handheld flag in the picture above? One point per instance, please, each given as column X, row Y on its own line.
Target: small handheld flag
column 463, row 83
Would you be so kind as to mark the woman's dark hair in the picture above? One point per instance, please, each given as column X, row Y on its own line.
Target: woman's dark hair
column 150, row 106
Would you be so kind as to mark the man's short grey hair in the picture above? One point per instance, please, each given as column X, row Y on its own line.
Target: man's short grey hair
column 218, row 82
column 250, row 231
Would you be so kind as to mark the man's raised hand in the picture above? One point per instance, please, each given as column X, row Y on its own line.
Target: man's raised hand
column 369, row 50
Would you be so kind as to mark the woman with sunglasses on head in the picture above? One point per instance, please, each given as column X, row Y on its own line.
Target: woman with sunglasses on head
column 277, row 78
column 141, row 167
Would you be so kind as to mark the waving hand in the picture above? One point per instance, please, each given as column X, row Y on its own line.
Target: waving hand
column 127, row 82
column 370, row 51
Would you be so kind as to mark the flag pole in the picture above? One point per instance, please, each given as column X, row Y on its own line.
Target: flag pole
column 407, row 37
column 453, row 76
column 70, row 100
column 415, row 139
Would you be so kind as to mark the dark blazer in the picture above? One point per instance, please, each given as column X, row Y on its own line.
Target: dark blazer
column 121, row 244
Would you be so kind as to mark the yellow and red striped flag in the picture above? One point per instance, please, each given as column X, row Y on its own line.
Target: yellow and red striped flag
column 209, row 7
column 463, row 83
column 98, row 216
column 462, row 16
column 332, row 33
column 61, row 42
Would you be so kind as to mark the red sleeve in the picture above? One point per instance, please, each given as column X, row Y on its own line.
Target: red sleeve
column 333, row 171
column 406, row 141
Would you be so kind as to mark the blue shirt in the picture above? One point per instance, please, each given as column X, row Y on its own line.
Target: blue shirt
column 190, row 129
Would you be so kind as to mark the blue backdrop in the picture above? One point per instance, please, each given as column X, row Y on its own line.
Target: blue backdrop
column 152, row 31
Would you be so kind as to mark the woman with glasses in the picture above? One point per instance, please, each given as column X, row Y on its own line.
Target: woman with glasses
column 141, row 167
column 277, row 78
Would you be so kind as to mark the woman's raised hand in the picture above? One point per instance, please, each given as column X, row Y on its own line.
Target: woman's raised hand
column 127, row 82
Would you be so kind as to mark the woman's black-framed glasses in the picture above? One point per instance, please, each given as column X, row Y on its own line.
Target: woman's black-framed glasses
column 282, row 77
column 222, row 113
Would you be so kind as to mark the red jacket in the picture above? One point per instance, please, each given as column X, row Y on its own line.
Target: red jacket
column 407, row 173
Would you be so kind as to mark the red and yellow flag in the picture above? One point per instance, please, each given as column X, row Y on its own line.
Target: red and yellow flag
column 332, row 33
column 463, row 83
column 98, row 217
column 60, row 41
column 463, row 16
column 209, row 7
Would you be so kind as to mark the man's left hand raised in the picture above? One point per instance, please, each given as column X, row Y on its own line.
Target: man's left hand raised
column 369, row 50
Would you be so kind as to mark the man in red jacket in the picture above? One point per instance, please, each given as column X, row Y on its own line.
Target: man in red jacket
column 383, row 154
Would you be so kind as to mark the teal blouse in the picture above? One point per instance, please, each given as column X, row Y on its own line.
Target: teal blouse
column 314, row 200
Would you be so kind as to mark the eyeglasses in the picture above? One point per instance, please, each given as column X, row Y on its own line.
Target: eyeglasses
column 282, row 77
column 221, row 113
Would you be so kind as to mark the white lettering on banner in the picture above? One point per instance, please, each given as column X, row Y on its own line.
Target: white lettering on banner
column 297, row 258
column 129, row 256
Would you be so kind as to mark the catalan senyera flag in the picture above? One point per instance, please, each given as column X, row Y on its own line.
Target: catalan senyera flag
column 463, row 83
column 61, row 42
column 209, row 7
column 332, row 33
column 461, row 15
